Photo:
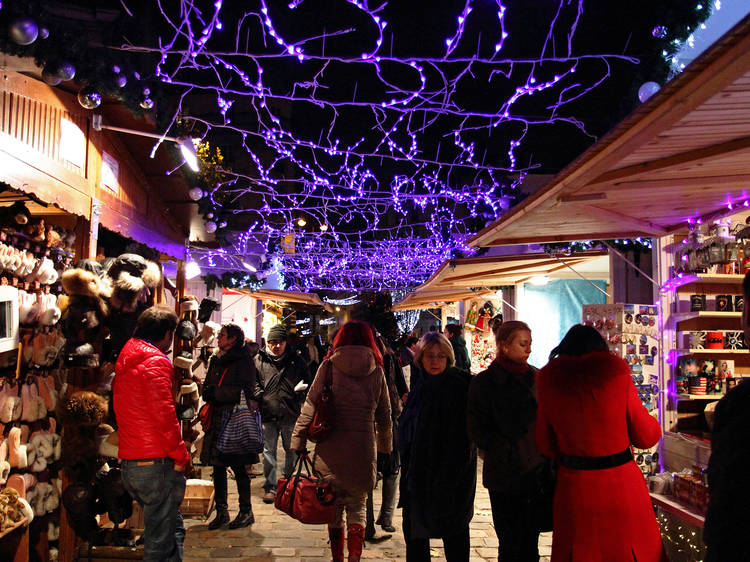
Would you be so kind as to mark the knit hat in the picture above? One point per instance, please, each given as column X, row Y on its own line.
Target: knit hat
column 277, row 333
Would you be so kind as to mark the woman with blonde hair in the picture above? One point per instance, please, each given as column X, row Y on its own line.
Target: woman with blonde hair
column 362, row 427
column 438, row 460
column 501, row 416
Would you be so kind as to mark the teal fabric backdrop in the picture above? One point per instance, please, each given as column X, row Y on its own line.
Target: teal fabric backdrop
column 550, row 310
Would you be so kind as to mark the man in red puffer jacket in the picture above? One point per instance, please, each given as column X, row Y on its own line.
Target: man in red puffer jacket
column 154, row 456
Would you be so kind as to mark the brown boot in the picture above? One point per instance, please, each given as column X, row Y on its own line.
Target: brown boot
column 355, row 539
column 336, row 536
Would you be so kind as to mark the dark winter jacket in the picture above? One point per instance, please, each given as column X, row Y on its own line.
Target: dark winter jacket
column 462, row 354
column 501, row 418
column 729, row 493
column 394, row 374
column 239, row 375
column 438, row 460
column 277, row 378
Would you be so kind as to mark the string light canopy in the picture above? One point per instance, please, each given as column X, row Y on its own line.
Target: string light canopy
column 374, row 149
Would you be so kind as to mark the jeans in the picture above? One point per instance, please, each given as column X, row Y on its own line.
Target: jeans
column 159, row 488
column 514, row 518
column 271, row 432
column 456, row 545
column 243, row 487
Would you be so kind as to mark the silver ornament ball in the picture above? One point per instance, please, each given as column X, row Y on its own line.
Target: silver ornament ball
column 647, row 90
column 223, row 224
column 23, row 30
column 196, row 194
column 50, row 77
column 66, row 71
column 43, row 33
column 659, row 32
column 147, row 103
column 211, row 227
column 89, row 98
column 209, row 215
column 121, row 80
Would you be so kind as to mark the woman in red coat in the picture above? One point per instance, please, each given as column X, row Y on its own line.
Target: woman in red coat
column 589, row 414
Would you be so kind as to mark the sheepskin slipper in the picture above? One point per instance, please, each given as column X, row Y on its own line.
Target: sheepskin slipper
column 16, row 452
column 28, row 511
column 47, row 391
column 4, row 464
column 30, row 408
column 53, row 532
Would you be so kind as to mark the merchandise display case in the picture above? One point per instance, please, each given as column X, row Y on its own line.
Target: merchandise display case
column 632, row 331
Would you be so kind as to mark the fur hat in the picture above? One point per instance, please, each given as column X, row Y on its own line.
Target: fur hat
column 81, row 282
column 151, row 275
column 184, row 360
column 131, row 263
column 186, row 330
column 83, row 408
column 207, row 307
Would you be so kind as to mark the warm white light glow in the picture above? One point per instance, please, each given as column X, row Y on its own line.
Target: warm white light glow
column 539, row 280
column 249, row 267
column 188, row 153
column 323, row 227
column 302, row 222
column 192, row 270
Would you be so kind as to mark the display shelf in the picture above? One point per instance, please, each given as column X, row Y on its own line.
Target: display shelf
column 700, row 396
column 705, row 279
column 672, row 505
column 680, row 352
column 682, row 316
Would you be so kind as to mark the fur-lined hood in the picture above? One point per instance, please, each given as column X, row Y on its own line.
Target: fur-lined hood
column 568, row 370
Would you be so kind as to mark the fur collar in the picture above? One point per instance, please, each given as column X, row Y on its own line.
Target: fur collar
column 594, row 365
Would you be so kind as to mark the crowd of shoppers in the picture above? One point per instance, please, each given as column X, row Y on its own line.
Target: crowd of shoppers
column 565, row 430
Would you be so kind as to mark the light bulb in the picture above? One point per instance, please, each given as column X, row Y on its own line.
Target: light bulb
column 192, row 270
column 323, row 227
column 249, row 267
column 301, row 222
column 539, row 280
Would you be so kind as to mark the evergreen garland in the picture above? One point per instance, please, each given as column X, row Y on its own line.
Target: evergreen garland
column 233, row 280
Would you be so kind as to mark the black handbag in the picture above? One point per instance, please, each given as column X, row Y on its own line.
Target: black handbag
column 546, row 479
column 322, row 422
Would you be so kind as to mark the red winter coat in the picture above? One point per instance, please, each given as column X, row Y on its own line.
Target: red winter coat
column 144, row 407
column 589, row 407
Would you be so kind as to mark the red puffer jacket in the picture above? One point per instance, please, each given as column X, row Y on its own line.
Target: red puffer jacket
column 144, row 406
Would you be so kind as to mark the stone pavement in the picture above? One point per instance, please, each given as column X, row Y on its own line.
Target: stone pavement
column 276, row 536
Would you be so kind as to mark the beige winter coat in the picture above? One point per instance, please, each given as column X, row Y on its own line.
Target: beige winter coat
column 360, row 397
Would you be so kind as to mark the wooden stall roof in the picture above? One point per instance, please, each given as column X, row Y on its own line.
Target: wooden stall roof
column 311, row 299
column 683, row 154
column 425, row 298
column 35, row 159
column 512, row 270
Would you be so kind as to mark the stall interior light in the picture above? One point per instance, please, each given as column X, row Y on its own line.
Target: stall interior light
column 251, row 268
column 192, row 270
column 187, row 148
column 539, row 280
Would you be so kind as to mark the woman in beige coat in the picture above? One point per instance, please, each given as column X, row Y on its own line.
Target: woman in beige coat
column 347, row 456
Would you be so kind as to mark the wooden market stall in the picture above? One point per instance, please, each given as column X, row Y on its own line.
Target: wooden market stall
column 680, row 160
column 80, row 179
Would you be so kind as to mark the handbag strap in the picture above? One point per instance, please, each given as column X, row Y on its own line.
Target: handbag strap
column 221, row 380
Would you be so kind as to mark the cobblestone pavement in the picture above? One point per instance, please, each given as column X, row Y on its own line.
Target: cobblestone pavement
column 275, row 536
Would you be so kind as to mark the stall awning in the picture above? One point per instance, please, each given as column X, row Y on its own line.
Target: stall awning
column 426, row 298
column 311, row 299
column 512, row 270
column 683, row 154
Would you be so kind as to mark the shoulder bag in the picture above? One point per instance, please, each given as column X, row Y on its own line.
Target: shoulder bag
column 205, row 413
column 306, row 497
column 242, row 432
column 322, row 422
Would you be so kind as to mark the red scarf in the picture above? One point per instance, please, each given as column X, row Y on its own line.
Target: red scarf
column 512, row 366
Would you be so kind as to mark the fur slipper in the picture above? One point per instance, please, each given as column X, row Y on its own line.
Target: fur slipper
column 4, row 464
column 16, row 452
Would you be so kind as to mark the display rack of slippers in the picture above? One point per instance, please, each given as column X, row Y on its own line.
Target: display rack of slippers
column 31, row 379
column 196, row 339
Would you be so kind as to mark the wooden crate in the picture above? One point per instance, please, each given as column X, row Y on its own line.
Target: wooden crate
column 199, row 498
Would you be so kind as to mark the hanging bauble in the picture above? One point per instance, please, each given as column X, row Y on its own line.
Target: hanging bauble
column 209, row 215
column 66, row 71
column 43, row 33
column 121, row 80
column 147, row 103
column 23, row 30
column 50, row 77
column 89, row 98
column 223, row 224
column 196, row 194
column 659, row 32
column 647, row 90
column 211, row 227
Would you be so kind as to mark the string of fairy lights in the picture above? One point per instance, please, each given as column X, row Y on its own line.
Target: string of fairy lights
column 383, row 156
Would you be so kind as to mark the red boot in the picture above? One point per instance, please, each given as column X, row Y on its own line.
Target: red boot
column 354, row 540
column 336, row 536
